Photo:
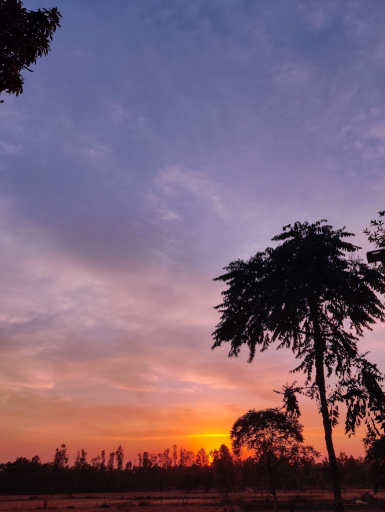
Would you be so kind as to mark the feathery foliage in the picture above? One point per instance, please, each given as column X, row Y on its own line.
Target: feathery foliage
column 24, row 37
column 271, row 296
column 377, row 236
column 313, row 295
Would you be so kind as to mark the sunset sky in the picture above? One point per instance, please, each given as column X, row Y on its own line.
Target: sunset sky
column 157, row 142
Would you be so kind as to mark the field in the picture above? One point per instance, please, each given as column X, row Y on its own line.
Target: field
column 186, row 502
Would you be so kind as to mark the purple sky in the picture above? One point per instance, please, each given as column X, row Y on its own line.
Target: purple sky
column 158, row 141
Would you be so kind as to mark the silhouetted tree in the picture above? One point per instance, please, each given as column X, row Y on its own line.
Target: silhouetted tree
column 110, row 463
column 95, row 463
column 223, row 468
column 24, row 37
column 146, row 460
column 226, row 472
column 60, row 459
column 186, row 458
column 306, row 295
column 81, row 460
column 103, row 461
column 175, row 454
column 202, row 458
column 276, row 440
column 119, row 458
column 353, row 471
column 165, row 459
column 182, row 458
column 377, row 236
column 375, row 456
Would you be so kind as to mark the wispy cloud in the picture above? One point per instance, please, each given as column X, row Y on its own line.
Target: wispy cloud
column 174, row 187
column 10, row 149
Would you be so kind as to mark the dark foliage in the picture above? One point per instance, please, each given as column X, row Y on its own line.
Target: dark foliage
column 273, row 436
column 311, row 295
column 24, row 37
column 223, row 473
column 276, row 440
column 375, row 456
column 377, row 236
column 271, row 297
column 224, row 470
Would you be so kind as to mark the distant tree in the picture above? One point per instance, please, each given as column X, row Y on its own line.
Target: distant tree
column 228, row 472
column 377, row 236
column 165, row 459
column 119, row 458
column 103, row 461
column 174, row 454
column 276, row 440
column 146, row 460
column 81, row 460
column 110, row 463
column 24, row 37
column 202, row 458
column 95, row 463
column 375, row 455
column 182, row 458
column 186, row 458
column 154, row 459
column 223, row 465
column 61, row 458
column 306, row 295
column 354, row 472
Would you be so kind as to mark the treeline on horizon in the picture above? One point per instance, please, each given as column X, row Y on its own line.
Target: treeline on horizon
column 219, row 470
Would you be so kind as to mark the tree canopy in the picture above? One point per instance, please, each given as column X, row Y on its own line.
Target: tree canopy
column 276, row 440
column 270, row 434
column 24, row 37
column 313, row 295
column 375, row 456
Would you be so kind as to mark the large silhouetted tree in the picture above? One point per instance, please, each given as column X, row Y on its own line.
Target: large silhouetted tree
column 24, row 37
column 310, row 294
column 276, row 440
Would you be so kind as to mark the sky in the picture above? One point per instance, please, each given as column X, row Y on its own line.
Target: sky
column 157, row 142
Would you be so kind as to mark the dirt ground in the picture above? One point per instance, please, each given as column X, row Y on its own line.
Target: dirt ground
column 164, row 501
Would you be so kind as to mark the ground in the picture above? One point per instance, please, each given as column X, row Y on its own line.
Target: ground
column 178, row 501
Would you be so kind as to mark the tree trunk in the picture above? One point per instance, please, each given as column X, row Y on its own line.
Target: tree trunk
column 319, row 345
column 273, row 492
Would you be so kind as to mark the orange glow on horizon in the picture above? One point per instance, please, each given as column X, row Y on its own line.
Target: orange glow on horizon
column 45, row 443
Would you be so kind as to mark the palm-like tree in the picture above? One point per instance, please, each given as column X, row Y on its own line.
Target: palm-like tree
column 307, row 295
